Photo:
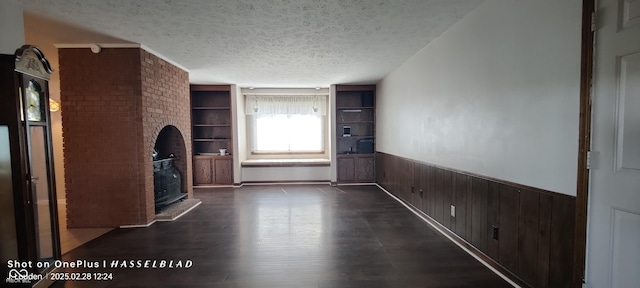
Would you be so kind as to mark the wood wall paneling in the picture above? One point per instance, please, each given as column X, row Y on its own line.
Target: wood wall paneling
column 391, row 174
column 416, row 187
column 469, row 206
column 427, row 190
column 479, row 227
column 461, row 191
column 388, row 172
column 493, row 218
column 420, row 179
column 536, row 235
column 381, row 173
column 452, row 202
column 544, row 239
column 528, row 235
column 437, row 201
column 447, row 192
column 397, row 185
column 562, row 232
column 508, row 239
column 406, row 181
column 431, row 188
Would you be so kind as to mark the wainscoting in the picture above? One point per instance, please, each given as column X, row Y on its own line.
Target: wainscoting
column 526, row 231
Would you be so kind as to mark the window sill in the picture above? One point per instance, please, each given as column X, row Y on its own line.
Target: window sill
column 318, row 162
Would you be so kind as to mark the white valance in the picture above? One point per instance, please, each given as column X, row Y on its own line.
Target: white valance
column 286, row 104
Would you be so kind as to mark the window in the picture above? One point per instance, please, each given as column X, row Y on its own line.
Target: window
column 291, row 124
column 289, row 133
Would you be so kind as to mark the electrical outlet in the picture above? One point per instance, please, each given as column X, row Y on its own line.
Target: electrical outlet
column 453, row 211
column 494, row 232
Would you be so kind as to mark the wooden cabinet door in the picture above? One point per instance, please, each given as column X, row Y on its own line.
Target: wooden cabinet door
column 364, row 169
column 202, row 168
column 346, row 169
column 223, row 170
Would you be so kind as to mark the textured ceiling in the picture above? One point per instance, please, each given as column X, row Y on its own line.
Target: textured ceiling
column 268, row 43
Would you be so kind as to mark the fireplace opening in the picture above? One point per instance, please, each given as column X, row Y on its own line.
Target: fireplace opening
column 169, row 168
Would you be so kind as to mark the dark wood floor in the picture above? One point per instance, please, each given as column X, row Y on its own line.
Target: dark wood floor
column 288, row 236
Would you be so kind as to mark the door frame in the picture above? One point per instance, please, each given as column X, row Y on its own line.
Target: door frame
column 584, row 143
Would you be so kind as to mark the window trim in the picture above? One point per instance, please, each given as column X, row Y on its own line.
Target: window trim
column 302, row 155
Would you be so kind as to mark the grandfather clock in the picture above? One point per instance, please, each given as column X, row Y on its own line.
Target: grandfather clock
column 29, row 231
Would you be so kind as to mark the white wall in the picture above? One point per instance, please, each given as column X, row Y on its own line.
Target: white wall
column 284, row 174
column 239, row 132
column 11, row 27
column 497, row 95
column 333, row 168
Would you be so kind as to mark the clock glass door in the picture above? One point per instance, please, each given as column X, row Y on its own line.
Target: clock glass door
column 40, row 194
column 40, row 172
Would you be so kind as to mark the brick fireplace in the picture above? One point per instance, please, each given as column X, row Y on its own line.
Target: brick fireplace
column 115, row 105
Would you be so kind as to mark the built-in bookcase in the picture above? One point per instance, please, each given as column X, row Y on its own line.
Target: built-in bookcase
column 211, row 127
column 211, row 121
column 355, row 133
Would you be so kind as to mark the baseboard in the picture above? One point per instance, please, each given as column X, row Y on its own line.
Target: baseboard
column 212, row 186
column 285, row 182
column 356, row 184
column 290, row 182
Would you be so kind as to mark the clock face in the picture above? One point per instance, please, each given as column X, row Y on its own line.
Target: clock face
column 34, row 107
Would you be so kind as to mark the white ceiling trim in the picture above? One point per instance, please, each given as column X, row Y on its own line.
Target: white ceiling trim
column 165, row 58
column 90, row 45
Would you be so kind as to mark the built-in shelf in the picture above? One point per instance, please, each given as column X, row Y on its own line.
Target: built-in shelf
column 211, row 131
column 355, row 114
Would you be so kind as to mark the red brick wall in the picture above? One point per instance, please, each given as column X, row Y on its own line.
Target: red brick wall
column 166, row 101
column 114, row 104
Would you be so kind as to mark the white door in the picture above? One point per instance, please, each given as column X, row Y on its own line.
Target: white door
column 613, row 240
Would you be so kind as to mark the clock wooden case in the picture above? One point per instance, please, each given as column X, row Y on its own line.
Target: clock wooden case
column 28, row 203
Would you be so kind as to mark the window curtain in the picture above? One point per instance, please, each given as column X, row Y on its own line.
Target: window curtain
column 289, row 105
